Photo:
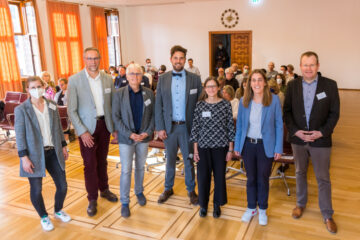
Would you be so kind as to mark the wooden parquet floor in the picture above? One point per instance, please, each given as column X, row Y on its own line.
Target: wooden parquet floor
column 177, row 219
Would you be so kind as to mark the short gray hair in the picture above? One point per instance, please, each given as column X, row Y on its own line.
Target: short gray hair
column 92, row 49
column 134, row 65
column 229, row 70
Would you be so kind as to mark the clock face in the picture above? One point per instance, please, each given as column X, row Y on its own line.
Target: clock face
column 229, row 18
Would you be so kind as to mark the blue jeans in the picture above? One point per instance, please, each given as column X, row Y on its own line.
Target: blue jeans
column 58, row 175
column 179, row 137
column 126, row 157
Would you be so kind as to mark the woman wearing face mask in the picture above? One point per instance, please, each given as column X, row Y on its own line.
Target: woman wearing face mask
column 41, row 145
column 281, row 82
column 213, row 135
column 113, row 73
column 259, row 140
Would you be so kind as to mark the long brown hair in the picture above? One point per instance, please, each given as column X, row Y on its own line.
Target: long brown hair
column 249, row 93
column 203, row 94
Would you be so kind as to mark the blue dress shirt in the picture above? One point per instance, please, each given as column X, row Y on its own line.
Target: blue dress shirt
column 136, row 104
column 309, row 90
column 178, row 95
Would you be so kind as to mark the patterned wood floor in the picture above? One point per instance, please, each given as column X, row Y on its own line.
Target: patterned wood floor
column 177, row 219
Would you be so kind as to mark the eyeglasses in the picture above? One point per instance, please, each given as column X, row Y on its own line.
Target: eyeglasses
column 93, row 59
column 134, row 74
column 211, row 87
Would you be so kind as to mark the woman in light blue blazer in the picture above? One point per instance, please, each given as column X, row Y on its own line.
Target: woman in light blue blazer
column 258, row 139
column 41, row 146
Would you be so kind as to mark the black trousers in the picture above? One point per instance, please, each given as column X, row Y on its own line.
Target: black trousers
column 58, row 175
column 212, row 160
column 258, row 170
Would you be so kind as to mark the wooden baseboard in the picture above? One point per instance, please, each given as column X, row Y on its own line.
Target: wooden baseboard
column 349, row 89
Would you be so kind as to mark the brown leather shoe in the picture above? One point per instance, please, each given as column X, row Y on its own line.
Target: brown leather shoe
column 193, row 198
column 165, row 196
column 331, row 225
column 91, row 210
column 109, row 196
column 297, row 212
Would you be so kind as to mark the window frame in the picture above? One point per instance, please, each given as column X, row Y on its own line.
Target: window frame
column 109, row 13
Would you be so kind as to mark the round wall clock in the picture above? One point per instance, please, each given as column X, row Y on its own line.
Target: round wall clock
column 229, row 18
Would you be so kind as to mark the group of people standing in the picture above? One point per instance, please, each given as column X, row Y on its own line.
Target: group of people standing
column 186, row 115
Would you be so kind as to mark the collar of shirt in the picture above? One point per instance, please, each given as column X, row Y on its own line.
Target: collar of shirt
column 313, row 82
column 89, row 77
column 132, row 91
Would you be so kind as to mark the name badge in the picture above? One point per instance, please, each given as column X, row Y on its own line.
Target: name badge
column 124, row 81
column 142, row 83
column 107, row 90
column 52, row 106
column 193, row 91
column 206, row 114
column 321, row 95
column 147, row 102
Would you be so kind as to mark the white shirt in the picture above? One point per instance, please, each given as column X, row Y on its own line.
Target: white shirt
column 44, row 124
column 194, row 70
column 97, row 92
column 235, row 107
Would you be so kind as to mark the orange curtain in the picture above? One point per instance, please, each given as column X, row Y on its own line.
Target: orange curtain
column 66, row 38
column 99, row 35
column 10, row 79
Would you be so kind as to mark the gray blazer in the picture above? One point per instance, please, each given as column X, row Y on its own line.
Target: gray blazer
column 81, row 105
column 163, row 104
column 29, row 139
column 123, row 118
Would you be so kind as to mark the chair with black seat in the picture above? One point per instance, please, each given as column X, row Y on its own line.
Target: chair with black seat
column 286, row 158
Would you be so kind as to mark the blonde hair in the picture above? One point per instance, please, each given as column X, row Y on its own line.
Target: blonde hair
column 249, row 93
column 229, row 90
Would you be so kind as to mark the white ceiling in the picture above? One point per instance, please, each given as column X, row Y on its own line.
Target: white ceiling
column 129, row 3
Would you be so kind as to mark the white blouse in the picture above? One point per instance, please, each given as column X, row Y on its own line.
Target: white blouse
column 44, row 123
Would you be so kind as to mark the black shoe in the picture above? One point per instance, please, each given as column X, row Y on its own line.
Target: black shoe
column 109, row 196
column 91, row 210
column 217, row 211
column 203, row 212
column 125, row 211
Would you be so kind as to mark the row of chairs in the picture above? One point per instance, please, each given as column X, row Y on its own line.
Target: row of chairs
column 15, row 97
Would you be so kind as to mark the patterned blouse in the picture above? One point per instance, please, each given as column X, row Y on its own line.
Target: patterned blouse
column 213, row 124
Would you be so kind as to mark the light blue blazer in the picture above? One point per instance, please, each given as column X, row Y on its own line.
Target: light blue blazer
column 271, row 127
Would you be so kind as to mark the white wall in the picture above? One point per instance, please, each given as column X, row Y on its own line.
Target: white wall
column 282, row 30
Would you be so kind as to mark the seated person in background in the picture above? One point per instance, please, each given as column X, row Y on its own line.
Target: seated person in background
column 120, row 80
column 229, row 95
column 41, row 146
column 50, row 88
column 291, row 75
column 281, row 82
column 236, row 69
column 244, row 74
column 230, row 79
column 61, row 100
column 192, row 68
column 241, row 90
column 274, row 88
column 162, row 69
column 113, row 73
column 221, row 77
column 221, row 72
column 146, row 78
column 271, row 73
column 133, row 116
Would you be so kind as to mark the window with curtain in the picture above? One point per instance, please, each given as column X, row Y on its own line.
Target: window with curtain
column 26, row 37
column 65, row 28
column 99, row 35
column 113, row 37
column 10, row 79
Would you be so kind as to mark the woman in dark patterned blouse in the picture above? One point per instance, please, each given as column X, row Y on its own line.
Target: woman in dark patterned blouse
column 213, row 134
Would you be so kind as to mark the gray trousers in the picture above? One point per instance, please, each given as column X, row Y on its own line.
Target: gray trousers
column 320, row 158
column 179, row 137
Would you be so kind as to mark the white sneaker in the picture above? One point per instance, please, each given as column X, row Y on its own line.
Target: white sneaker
column 249, row 213
column 46, row 224
column 62, row 216
column 263, row 219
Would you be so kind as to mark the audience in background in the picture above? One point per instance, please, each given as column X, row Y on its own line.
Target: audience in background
column 120, row 80
column 291, row 75
column 228, row 94
column 271, row 73
column 192, row 68
column 230, row 79
column 244, row 74
column 236, row 70
column 50, row 88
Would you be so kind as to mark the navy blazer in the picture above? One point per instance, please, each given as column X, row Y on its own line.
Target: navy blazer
column 271, row 127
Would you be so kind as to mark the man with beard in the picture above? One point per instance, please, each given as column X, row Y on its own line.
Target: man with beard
column 177, row 93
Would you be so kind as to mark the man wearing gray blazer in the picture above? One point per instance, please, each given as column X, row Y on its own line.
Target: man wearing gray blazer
column 176, row 95
column 133, row 115
column 89, row 107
